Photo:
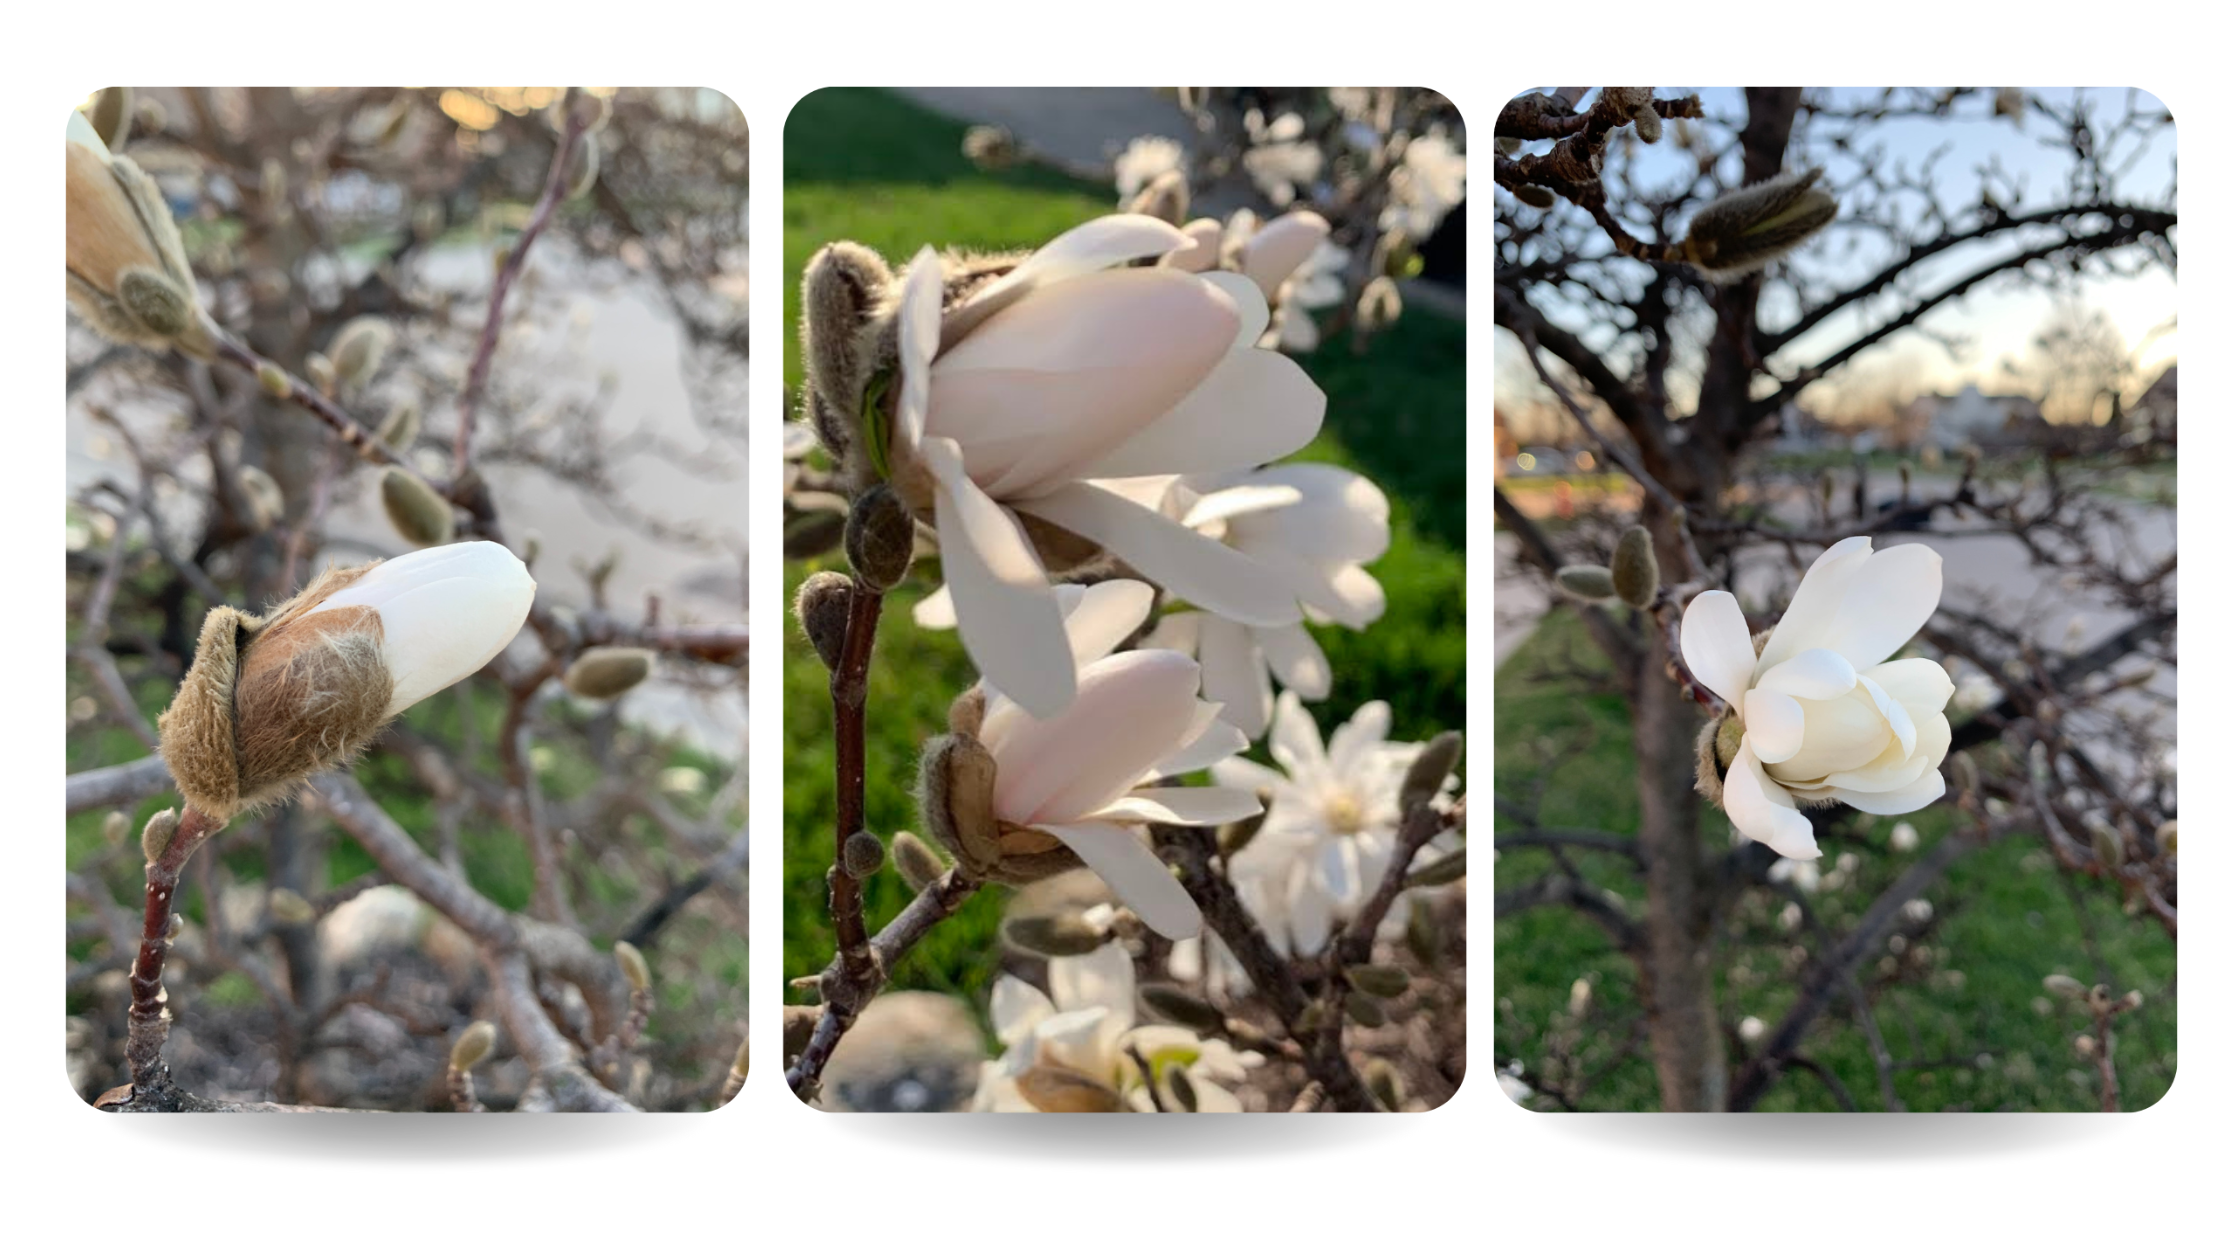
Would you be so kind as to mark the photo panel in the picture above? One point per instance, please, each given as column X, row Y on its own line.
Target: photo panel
column 406, row 585
column 1836, row 600
column 1124, row 519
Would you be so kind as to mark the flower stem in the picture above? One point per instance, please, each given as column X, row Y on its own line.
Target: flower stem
column 149, row 1022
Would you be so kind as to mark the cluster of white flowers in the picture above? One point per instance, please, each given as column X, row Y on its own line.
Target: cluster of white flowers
column 1075, row 1047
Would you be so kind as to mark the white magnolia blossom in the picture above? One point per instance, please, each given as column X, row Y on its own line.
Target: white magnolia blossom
column 1076, row 776
column 1145, row 159
column 1315, row 525
column 445, row 612
column 1023, row 401
column 1333, row 822
column 1087, row 1024
column 1825, row 716
column 1281, row 160
column 1426, row 185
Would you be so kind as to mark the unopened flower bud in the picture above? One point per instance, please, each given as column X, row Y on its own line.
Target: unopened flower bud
column 1171, row 1005
column 1648, row 124
column 474, row 1045
column 2107, row 844
column 1427, row 774
column 1385, row 1085
column 288, row 908
column 1742, row 231
column 126, row 267
column 1378, row 980
column 1365, row 1010
column 956, row 800
column 989, row 147
column 583, row 166
column 274, row 379
column 156, row 836
column 115, row 827
column 1534, row 195
column 2166, row 837
column 2064, row 986
column 2086, row 1046
column 265, row 502
column 110, row 112
column 1379, row 305
column 358, row 348
column 916, row 862
column 880, row 537
column 1050, row 1088
column 821, row 606
column 1166, row 197
column 634, row 968
column 602, row 673
column 1586, row 581
column 1052, row 936
column 1633, row 568
column 418, row 514
column 1426, row 940
column 401, row 427
column 861, row 856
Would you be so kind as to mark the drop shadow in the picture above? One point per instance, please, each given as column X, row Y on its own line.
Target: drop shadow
column 1838, row 1139
column 417, row 1139
column 1145, row 1139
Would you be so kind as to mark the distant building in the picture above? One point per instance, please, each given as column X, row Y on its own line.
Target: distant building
column 1799, row 431
column 2153, row 416
column 1974, row 416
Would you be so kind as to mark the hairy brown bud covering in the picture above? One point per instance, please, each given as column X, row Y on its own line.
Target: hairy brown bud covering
column 956, row 802
column 801, row 1022
column 821, row 606
column 862, row 855
column 111, row 115
column 1171, row 1005
column 880, row 537
column 1586, row 581
column 1065, row 935
column 358, row 348
column 916, row 862
column 1535, row 196
column 155, row 838
column 115, row 827
column 1743, row 230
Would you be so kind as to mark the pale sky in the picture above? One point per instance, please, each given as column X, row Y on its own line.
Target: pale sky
column 2000, row 317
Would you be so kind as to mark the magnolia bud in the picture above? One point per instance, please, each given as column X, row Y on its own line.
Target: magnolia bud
column 288, row 908
column 1379, row 305
column 1050, row 1088
column 1166, row 197
column 862, row 855
column 989, row 147
column 2064, row 986
column 1535, row 196
column 1385, row 1085
column 1586, row 581
column 125, row 265
column 1378, row 980
column 156, row 836
column 1171, row 1005
column 1426, row 940
column 915, row 861
column 633, row 966
column 1633, row 568
column 274, row 379
column 602, row 673
column 1364, row 1010
column 116, row 827
column 401, row 426
column 801, row 1023
column 583, row 166
column 880, row 537
column 265, row 502
column 110, row 112
column 821, row 606
column 2107, row 844
column 1052, row 936
column 1648, row 124
column 418, row 514
column 1427, row 774
column 1903, row 837
column 2166, row 836
column 474, row 1045
column 358, row 348
column 1742, row 231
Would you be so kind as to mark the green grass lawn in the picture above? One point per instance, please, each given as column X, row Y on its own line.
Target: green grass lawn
column 866, row 165
column 1969, row 1024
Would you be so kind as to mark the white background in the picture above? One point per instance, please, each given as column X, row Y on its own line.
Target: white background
column 766, row 1175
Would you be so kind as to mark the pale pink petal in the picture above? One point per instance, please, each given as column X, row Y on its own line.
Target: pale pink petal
column 1901, row 722
column 1182, row 806
column 1294, row 742
column 1221, row 505
column 937, row 611
column 1358, row 736
column 1016, row 1007
column 1296, row 659
column 1252, row 309
column 1235, row 675
column 1204, row 250
column 1281, row 246
column 1255, row 406
column 1104, row 614
column 1131, row 709
column 918, row 332
column 1209, row 745
column 1100, row 243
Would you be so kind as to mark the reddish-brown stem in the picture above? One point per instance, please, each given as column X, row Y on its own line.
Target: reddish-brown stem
column 935, row 902
column 478, row 369
column 149, row 1022
column 849, row 681
column 355, row 435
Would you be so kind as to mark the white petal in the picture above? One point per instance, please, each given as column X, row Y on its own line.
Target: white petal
column 1253, row 407
column 1006, row 615
column 1135, row 874
column 1916, row 682
column 1104, row 615
column 1813, row 674
column 1190, row 565
column 445, row 612
column 1901, row 722
column 1278, row 249
column 1922, row 792
column 1812, row 612
column 1016, row 1007
column 1357, row 736
column 1182, row 806
column 918, row 326
column 1220, row 505
column 1310, row 916
column 1889, row 600
column 1102, row 979
column 1093, row 246
column 1250, row 776
column 1764, row 811
column 1774, row 722
column 1207, row 747
column 1132, row 709
column 1176, row 632
column 937, row 611
column 1252, row 309
column 1715, row 643
column 1840, row 734
column 1297, row 659
column 1341, row 514
column 1204, row 249
column 1294, row 742
column 1235, row 675
column 1347, row 595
